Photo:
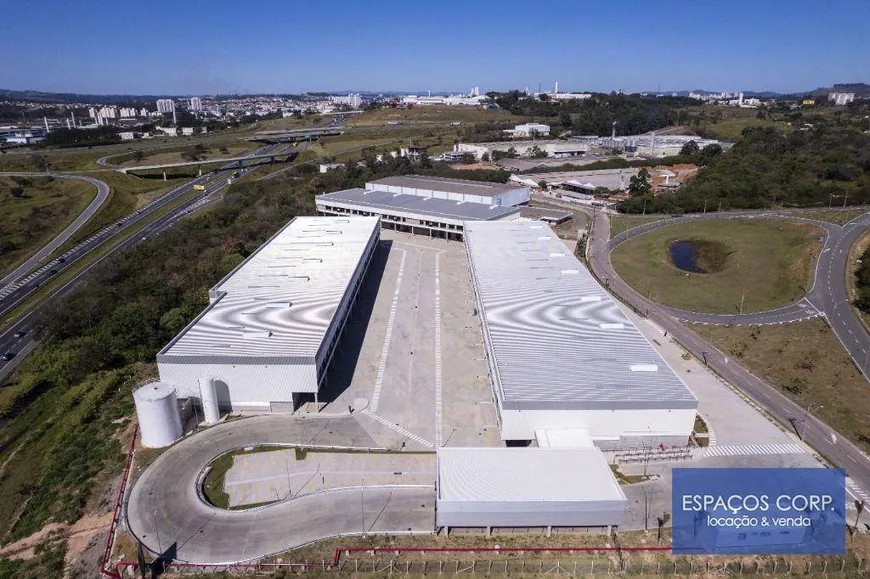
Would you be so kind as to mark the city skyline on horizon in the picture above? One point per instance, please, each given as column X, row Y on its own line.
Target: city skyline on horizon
column 782, row 47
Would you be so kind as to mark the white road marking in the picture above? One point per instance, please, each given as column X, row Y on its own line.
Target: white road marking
column 754, row 449
column 439, row 435
column 382, row 365
column 393, row 426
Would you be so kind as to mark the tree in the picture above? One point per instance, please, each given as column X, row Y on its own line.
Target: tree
column 537, row 153
column 40, row 162
column 690, row 149
column 485, row 157
column 710, row 152
column 640, row 184
column 17, row 192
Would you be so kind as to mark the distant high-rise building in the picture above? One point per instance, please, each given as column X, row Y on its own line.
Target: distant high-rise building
column 354, row 101
column 128, row 112
column 195, row 104
column 165, row 106
column 143, row 112
column 92, row 112
column 841, row 98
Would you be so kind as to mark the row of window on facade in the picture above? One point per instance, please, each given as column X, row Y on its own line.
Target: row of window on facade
column 392, row 218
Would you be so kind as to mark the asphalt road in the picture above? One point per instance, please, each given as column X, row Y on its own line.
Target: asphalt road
column 17, row 339
column 827, row 297
column 85, row 216
column 174, row 520
column 820, row 436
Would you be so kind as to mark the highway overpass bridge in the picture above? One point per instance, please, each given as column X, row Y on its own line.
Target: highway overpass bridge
column 285, row 156
column 294, row 135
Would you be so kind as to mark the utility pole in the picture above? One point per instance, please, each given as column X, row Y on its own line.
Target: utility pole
column 742, row 299
column 705, row 205
column 810, row 410
column 845, row 198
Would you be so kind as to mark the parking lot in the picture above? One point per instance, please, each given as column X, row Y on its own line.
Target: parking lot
column 412, row 358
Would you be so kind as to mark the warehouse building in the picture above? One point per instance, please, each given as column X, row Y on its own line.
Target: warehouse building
column 273, row 323
column 433, row 206
column 561, row 353
column 510, row 488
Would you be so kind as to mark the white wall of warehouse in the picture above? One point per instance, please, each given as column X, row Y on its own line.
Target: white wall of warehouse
column 602, row 424
column 243, row 386
column 514, row 513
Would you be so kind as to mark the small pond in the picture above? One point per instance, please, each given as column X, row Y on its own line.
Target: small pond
column 684, row 255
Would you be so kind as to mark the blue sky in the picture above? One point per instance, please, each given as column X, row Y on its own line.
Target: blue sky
column 218, row 46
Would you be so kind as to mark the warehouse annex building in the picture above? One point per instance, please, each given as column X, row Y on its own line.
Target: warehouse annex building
column 561, row 354
column 433, row 206
column 273, row 323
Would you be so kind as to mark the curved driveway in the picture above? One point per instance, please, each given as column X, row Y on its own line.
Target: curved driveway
column 85, row 216
column 165, row 512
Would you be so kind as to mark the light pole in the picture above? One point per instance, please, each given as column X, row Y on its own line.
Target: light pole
column 742, row 299
column 157, row 531
column 810, row 410
column 362, row 502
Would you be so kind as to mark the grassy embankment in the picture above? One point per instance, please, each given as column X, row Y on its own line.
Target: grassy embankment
column 807, row 363
column 764, row 263
column 33, row 210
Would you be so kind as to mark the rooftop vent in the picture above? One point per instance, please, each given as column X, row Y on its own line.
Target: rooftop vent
column 571, row 272
column 536, row 226
column 611, row 326
column 588, row 299
column 255, row 333
column 543, row 238
column 557, row 255
column 644, row 368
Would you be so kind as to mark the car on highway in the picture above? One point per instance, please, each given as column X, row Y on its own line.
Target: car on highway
column 20, row 334
column 7, row 356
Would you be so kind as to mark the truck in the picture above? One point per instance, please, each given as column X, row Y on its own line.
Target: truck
column 199, row 187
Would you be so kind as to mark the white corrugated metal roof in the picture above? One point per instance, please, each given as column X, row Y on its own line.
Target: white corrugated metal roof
column 525, row 474
column 446, row 184
column 280, row 301
column 424, row 206
column 556, row 338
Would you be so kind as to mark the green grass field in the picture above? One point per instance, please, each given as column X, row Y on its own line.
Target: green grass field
column 213, row 152
column 434, row 115
column 620, row 223
column 830, row 215
column 40, row 209
column 771, row 261
column 807, row 363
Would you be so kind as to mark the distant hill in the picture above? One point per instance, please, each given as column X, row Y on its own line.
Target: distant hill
column 66, row 98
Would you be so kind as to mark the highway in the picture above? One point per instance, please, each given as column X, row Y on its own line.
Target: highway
column 49, row 248
column 830, row 283
column 17, row 339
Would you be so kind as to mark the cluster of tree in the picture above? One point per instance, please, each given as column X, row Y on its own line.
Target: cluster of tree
column 195, row 152
column 862, row 283
column 81, row 137
column 633, row 113
column 826, row 165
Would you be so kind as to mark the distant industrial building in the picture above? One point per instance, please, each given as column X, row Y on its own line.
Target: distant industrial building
column 21, row 136
column 432, row 206
column 550, row 148
column 562, row 356
column 841, row 98
column 650, row 146
column 273, row 323
column 195, row 104
column 528, row 130
column 471, row 98
column 165, row 106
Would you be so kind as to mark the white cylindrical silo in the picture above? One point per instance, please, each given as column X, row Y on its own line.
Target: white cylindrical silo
column 157, row 409
column 208, row 395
